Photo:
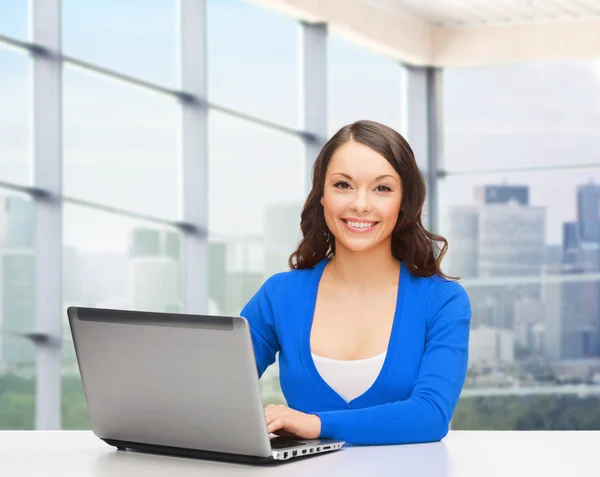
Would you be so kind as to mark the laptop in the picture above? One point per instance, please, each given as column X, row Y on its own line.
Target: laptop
column 178, row 384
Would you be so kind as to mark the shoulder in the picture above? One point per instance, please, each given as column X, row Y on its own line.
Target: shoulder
column 443, row 295
column 292, row 282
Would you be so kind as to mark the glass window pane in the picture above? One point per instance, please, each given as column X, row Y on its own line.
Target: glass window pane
column 17, row 260
column 17, row 383
column 13, row 20
column 238, row 269
column 568, row 411
column 361, row 85
column 121, row 145
column 253, row 60
column 527, row 246
column 525, row 115
column 255, row 174
column 136, row 38
column 113, row 261
column 15, row 116
column 553, row 193
column 73, row 404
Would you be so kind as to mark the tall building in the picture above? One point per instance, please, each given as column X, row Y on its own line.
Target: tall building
column 19, row 218
column 154, row 270
column 571, row 250
column 498, row 238
column 511, row 240
column 528, row 314
column 17, row 270
column 491, row 346
column 588, row 212
column 502, row 194
column 576, row 319
column 571, row 321
column 463, row 246
column 102, row 275
column 236, row 272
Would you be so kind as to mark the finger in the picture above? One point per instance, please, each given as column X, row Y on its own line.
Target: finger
column 270, row 418
column 270, row 406
column 276, row 425
column 277, row 411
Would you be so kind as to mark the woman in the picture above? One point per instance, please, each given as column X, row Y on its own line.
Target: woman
column 372, row 336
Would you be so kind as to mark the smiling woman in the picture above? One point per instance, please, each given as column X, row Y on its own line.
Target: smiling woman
column 366, row 181
column 372, row 337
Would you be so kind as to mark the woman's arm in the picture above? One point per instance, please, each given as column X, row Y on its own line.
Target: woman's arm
column 260, row 313
column 426, row 414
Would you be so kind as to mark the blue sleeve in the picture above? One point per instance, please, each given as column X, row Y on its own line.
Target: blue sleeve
column 260, row 312
column 426, row 414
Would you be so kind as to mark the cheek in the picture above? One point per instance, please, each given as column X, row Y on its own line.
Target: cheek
column 390, row 210
column 332, row 204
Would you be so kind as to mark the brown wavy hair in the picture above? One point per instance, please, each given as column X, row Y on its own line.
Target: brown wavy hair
column 421, row 250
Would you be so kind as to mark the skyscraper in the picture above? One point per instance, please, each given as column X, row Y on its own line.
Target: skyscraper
column 463, row 238
column 571, row 244
column 502, row 194
column 501, row 236
column 588, row 212
column 570, row 316
column 17, row 281
column 154, row 275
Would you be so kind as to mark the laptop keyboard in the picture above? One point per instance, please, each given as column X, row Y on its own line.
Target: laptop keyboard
column 282, row 442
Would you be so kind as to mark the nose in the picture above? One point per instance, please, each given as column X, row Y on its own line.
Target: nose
column 361, row 204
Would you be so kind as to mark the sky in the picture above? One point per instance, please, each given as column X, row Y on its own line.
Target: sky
column 121, row 144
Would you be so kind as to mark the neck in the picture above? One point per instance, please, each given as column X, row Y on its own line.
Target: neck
column 371, row 269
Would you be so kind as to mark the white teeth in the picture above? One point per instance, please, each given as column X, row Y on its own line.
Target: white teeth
column 361, row 225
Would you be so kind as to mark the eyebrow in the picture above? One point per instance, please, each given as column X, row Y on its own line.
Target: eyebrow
column 378, row 178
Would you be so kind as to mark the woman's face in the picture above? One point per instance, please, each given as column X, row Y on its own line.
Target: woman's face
column 361, row 197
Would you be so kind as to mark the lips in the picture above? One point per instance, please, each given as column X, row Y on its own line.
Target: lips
column 360, row 226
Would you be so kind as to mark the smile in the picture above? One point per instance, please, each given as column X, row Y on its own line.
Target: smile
column 359, row 226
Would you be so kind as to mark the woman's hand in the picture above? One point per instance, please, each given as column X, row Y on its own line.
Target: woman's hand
column 282, row 420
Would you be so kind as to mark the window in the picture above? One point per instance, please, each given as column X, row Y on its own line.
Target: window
column 136, row 38
column 15, row 118
column 17, row 383
column 237, row 269
column 17, row 260
column 253, row 61
column 113, row 261
column 17, row 319
column 527, row 115
column 527, row 247
column 121, row 145
column 256, row 176
column 13, row 21
column 74, row 411
column 361, row 85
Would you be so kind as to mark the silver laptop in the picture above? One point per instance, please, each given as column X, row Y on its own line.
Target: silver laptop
column 177, row 384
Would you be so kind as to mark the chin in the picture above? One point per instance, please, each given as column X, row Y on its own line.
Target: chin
column 358, row 247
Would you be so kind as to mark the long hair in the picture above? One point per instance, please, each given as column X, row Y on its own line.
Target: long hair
column 421, row 250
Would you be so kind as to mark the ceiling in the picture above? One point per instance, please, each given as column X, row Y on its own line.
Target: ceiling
column 454, row 33
column 481, row 13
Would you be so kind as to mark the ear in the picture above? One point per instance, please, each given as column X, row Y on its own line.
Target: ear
column 321, row 200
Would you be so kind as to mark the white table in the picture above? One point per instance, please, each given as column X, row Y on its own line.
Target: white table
column 460, row 454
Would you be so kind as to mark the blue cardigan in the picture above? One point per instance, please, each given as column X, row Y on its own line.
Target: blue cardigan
column 415, row 394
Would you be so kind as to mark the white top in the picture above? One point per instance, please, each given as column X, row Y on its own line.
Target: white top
column 350, row 379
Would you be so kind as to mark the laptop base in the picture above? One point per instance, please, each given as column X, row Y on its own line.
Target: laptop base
column 194, row 453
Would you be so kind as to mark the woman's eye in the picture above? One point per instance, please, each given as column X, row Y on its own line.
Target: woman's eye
column 342, row 185
column 383, row 188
